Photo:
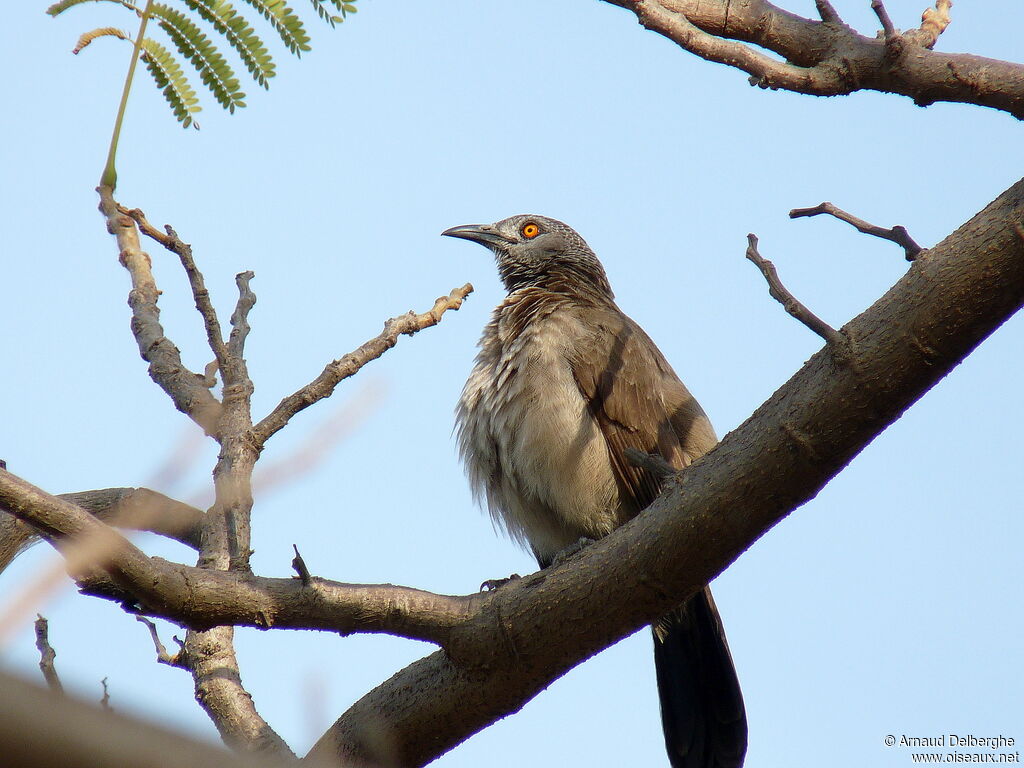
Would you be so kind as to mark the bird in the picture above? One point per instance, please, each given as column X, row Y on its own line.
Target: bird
column 564, row 383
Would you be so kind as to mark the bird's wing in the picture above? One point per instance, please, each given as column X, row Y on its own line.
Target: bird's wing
column 638, row 402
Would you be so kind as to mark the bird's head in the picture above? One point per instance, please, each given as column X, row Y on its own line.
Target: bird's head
column 536, row 250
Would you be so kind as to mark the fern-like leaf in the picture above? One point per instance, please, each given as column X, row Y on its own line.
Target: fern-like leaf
column 323, row 13
column 289, row 26
column 88, row 37
column 168, row 75
column 197, row 48
column 228, row 22
column 63, row 5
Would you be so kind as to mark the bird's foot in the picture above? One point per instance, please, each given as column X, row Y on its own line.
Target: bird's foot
column 573, row 549
column 492, row 584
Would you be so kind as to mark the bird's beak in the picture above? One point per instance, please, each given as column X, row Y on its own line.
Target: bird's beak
column 485, row 234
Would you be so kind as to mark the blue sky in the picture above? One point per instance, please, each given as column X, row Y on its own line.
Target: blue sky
column 888, row 605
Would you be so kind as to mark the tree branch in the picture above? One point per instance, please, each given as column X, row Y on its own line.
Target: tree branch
column 339, row 370
column 200, row 294
column 138, row 509
column 831, row 59
column 38, row 728
column 225, row 533
column 47, row 655
column 186, row 389
column 537, row 628
column 781, row 294
column 883, row 18
column 203, row 598
column 897, row 234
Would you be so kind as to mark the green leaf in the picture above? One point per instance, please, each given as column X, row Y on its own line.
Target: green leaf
column 63, row 5
column 228, row 22
column 168, row 75
column 197, row 48
column 289, row 26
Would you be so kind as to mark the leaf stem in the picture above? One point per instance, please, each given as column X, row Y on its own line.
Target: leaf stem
column 109, row 177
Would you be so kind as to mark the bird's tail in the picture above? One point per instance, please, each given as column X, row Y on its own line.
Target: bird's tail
column 702, row 710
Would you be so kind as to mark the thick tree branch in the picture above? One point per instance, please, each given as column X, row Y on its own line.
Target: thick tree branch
column 339, row 370
column 203, row 598
column 536, row 628
column 39, row 728
column 138, row 509
column 828, row 58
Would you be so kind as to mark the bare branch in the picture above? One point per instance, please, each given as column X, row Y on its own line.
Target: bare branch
column 206, row 597
column 200, row 294
column 162, row 656
column 780, row 293
column 299, row 566
column 47, row 655
column 764, row 71
column 883, row 18
column 339, row 370
column 186, row 389
column 897, row 234
column 827, row 13
column 210, row 656
column 38, row 728
column 105, row 700
column 138, row 509
column 240, row 317
column 831, row 59
column 933, row 23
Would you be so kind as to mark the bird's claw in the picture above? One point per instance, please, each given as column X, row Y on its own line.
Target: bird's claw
column 573, row 549
column 492, row 584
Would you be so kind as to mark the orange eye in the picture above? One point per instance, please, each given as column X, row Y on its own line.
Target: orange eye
column 530, row 231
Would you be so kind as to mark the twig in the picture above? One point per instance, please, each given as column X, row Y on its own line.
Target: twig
column 185, row 388
column 299, row 566
column 200, row 294
column 933, row 23
column 47, row 655
column 883, row 17
column 339, row 370
column 240, row 317
column 897, row 234
column 162, row 656
column 145, row 227
column 779, row 292
column 827, row 13
column 105, row 701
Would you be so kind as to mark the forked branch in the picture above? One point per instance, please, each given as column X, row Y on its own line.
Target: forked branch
column 339, row 370
column 829, row 58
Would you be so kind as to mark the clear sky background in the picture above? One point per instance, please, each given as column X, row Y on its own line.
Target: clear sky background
column 891, row 604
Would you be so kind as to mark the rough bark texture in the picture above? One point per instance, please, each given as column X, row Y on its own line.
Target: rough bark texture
column 828, row 58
